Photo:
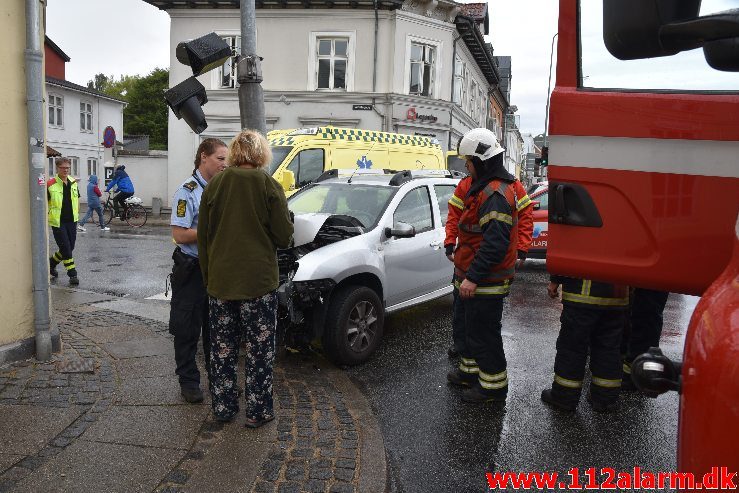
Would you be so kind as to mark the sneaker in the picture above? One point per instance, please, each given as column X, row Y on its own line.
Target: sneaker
column 548, row 398
column 74, row 281
column 105, row 228
column 81, row 228
column 192, row 395
column 476, row 395
column 461, row 379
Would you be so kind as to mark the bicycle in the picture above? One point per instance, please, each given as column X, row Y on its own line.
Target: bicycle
column 133, row 212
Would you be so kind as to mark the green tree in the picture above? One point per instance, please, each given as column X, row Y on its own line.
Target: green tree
column 146, row 112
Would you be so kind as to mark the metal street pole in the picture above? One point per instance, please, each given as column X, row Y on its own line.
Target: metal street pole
column 549, row 89
column 249, row 72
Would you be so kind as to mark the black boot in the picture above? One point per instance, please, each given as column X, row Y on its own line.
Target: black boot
column 52, row 268
column 602, row 406
column 461, row 379
column 73, row 280
column 192, row 395
column 478, row 395
column 548, row 398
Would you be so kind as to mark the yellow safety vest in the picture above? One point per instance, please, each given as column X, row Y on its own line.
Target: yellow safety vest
column 55, row 191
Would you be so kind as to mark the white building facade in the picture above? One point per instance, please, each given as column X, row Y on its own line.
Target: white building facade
column 76, row 119
column 407, row 67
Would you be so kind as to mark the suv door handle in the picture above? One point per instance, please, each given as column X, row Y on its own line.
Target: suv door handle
column 435, row 245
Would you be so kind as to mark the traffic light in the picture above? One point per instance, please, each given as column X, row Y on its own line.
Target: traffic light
column 186, row 98
column 544, row 156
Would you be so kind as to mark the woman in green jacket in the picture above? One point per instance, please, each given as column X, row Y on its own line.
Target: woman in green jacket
column 243, row 220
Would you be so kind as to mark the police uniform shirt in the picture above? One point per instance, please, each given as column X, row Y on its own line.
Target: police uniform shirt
column 185, row 205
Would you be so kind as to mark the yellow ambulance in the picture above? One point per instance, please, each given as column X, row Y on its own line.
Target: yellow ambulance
column 299, row 156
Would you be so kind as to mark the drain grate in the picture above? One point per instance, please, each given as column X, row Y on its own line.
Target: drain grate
column 76, row 365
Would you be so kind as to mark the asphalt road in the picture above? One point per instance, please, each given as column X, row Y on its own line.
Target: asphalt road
column 434, row 442
column 437, row 443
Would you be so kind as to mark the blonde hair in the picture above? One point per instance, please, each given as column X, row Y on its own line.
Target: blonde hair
column 250, row 147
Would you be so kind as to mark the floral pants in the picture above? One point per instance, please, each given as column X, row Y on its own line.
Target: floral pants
column 254, row 321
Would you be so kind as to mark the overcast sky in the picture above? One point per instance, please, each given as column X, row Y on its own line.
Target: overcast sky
column 131, row 37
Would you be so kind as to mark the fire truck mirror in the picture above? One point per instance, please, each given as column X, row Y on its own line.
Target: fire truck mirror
column 631, row 28
column 723, row 54
column 654, row 373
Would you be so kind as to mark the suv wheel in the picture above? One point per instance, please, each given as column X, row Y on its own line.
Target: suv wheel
column 354, row 325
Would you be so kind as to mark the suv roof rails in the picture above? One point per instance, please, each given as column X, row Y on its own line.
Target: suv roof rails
column 407, row 175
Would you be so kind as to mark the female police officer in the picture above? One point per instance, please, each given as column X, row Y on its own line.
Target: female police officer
column 188, row 316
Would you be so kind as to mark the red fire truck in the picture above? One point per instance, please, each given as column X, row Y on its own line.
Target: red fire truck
column 644, row 191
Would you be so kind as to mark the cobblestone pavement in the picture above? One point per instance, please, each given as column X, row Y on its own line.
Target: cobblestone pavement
column 314, row 445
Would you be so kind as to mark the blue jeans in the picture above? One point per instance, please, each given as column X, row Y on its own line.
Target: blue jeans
column 88, row 216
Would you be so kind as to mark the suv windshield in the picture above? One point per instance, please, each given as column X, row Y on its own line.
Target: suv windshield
column 362, row 202
column 279, row 153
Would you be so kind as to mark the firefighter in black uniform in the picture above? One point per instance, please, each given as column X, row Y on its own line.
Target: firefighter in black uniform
column 188, row 316
column 484, row 266
column 592, row 319
column 645, row 329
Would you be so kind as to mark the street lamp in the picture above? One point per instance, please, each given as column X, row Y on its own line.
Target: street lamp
column 549, row 88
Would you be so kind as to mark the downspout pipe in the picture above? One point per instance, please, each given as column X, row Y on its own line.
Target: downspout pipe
column 451, row 107
column 37, row 183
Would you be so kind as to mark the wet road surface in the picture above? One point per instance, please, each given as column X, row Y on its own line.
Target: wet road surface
column 436, row 443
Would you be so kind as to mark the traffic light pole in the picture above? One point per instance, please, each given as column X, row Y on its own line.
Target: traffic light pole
column 251, row 95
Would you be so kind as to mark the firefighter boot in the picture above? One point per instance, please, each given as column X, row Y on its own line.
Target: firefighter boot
column 53, row 262
column 478, row 395
column 549, row 398
column 602, row 406
column 461, row 379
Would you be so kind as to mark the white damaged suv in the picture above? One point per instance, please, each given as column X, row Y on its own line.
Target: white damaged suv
column 366, row 245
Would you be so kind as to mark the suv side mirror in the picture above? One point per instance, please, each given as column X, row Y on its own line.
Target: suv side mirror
column 288, row 180
column 400, row 230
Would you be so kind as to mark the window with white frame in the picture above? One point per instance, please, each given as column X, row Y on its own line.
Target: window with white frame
column 52, row 170
column 56, row 111
column 85, row 116
column 332, row 58
column 92, row 166
column 458, row 80
column 473, row 99
column 483, row 105
column 75, row 162
column 422, row 66
column 227, row 72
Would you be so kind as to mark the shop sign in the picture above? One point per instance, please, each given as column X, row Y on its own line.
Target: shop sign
column 413, row 115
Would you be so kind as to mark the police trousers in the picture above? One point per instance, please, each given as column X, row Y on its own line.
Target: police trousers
column 477, row 326
column 188, row 317
column 598, row 331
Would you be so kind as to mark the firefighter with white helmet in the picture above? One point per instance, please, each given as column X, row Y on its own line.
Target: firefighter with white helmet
column 484, row 265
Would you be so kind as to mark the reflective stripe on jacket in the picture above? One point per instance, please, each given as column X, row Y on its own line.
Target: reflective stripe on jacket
column 55, row 194
column 594, row 294
column 486, row 251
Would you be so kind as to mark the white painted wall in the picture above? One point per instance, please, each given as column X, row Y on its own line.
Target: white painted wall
column 70, row 140
column 149, row 176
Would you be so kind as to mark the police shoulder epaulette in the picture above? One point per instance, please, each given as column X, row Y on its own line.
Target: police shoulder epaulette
column 191, row 185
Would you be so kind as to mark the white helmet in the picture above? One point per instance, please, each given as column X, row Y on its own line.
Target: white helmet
column 481, row 143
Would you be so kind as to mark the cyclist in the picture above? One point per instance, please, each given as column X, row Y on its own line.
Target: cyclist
column 125, row 189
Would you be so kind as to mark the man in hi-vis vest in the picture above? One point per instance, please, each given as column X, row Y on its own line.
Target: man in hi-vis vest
column 64, row 203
